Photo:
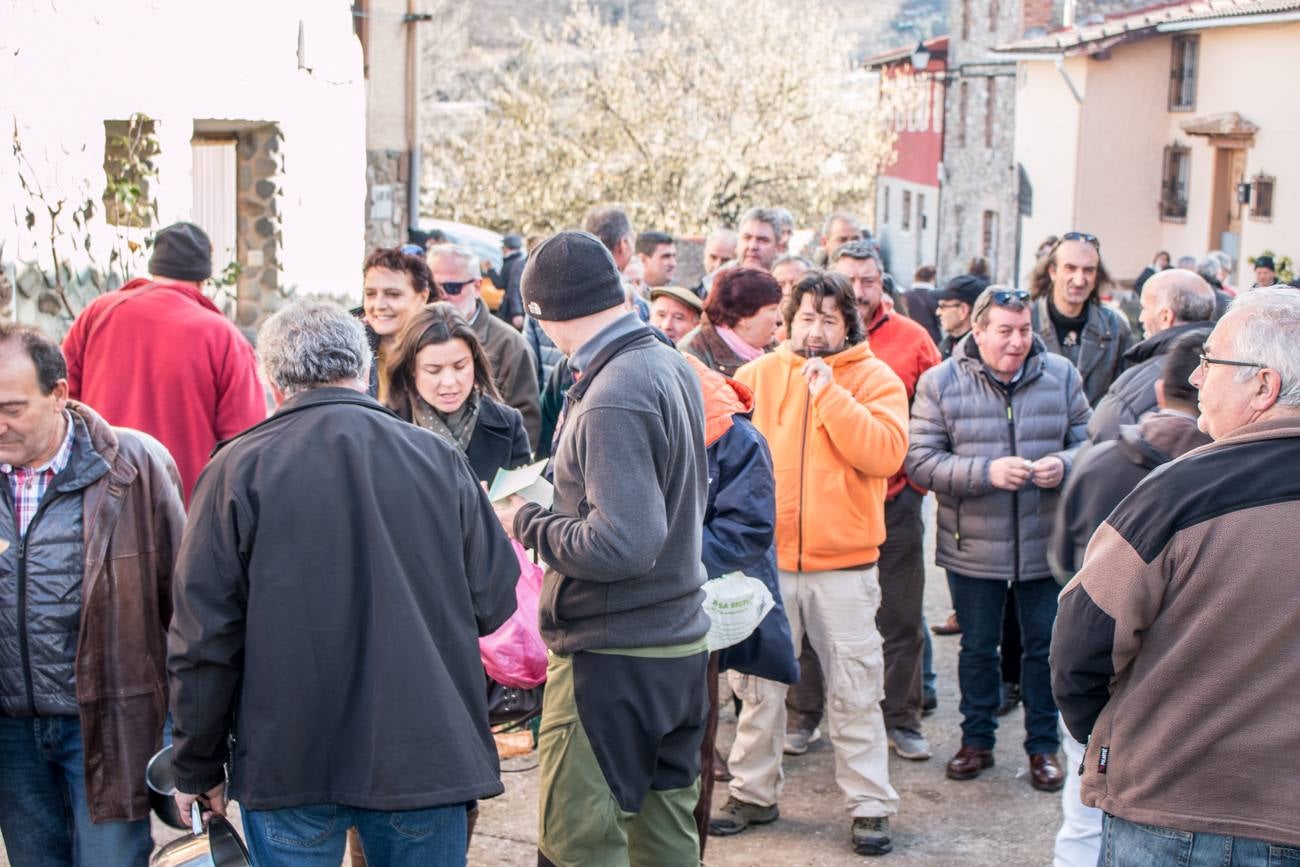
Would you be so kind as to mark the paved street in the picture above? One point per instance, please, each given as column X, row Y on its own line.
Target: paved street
column 994, row 820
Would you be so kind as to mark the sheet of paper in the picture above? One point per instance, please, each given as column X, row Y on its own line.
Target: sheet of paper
column 540, row 492
column 510, row 482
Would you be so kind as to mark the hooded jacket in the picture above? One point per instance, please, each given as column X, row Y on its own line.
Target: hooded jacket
column 1105, row 338
column 622, row 537
column 740, row 520
column 833, row 454
column 1105, row 473
column 1174, row 653
column 160, row 358
column 963, row 419
column 1133, row 395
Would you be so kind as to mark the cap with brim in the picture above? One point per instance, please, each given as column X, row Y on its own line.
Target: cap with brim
column 965, row 288
column 678, row 293
column 1265, row 262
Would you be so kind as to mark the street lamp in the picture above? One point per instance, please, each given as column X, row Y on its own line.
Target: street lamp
column 920, row 57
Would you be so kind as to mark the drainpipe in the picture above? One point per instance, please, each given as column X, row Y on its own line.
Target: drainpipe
column 413, row 113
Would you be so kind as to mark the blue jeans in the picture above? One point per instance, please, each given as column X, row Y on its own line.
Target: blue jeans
column 929, row 680
column 1129, row 844
column 44, row 812
column 979, row 603
column 315, row 836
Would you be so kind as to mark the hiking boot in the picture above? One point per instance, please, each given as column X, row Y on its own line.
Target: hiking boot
column 909, row 744
column 798, row 741
column 1010, row 698
column 735, row 816
column 871, row 835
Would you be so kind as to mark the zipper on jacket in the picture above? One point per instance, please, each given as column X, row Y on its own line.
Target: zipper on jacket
column 803, row 472
column 1015, row 496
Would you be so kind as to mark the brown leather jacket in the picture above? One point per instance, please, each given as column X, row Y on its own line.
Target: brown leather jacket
column 133, row 516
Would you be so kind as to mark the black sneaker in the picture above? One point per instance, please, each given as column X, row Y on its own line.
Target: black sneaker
column 735, row 816
column 871, row 835
column 1010, row 698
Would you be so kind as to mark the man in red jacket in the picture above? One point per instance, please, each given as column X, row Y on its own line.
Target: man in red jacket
column 158, row 356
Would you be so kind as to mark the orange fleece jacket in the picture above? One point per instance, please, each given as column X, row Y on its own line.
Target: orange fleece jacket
column 833, row 454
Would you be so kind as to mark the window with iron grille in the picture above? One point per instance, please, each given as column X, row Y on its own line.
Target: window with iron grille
column 905, row 212
column 1261, row 197
column 989, row 238
column 1182, row 73
column 884, row 205
column 1173, row 187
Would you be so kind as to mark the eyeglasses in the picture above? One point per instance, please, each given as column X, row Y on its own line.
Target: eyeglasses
column 1206, row 361
column 453, row 287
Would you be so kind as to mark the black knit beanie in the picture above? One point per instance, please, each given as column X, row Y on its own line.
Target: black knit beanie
column 568, row 276
column 182, row 251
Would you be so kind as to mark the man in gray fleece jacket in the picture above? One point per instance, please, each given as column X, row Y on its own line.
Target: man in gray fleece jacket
column 626, row 702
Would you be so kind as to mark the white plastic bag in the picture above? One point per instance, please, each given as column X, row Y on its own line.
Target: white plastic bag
column 736, row 604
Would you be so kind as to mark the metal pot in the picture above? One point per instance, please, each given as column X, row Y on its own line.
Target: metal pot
column 219, row 846
column 161, row 780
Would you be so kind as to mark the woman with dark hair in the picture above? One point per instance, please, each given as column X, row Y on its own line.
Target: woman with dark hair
column 439, row 378
column 740, row 320
column 396, row 284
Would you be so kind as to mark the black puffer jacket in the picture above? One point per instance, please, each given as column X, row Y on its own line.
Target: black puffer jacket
column 41, row 590
column 962, row 419
column 1106, row 337
column 1133, row 395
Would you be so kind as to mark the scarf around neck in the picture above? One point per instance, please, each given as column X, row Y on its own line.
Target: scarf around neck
column 457, row 427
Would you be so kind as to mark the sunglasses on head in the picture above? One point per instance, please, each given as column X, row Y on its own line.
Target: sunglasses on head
column 1079, row 236
column 452, row 287
column 1002, row 298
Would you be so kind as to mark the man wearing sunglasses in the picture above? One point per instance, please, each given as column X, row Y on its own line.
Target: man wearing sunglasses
column 1175, row 654
column 1069, row 316
column 994, row 431
column 455, row 271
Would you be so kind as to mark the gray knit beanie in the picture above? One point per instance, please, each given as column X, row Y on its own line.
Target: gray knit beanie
column 568, row 276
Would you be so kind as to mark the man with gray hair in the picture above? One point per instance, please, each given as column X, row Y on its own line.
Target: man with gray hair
column 455, row 271
column 760, row 239
column 1174, row 302
column 337, row 572
column 839, row 229
column 1174, row 655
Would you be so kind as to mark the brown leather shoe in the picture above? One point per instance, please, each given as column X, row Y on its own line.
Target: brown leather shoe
column 968, row 763
column 948, row 627
column 1045, row 772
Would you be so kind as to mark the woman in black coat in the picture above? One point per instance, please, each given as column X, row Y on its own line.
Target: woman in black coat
column 440, row 379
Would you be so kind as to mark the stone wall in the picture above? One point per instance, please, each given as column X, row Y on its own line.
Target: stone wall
column 386, row 177
column 260, row 167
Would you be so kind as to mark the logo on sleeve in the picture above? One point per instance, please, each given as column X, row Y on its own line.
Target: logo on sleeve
column 1102, row 758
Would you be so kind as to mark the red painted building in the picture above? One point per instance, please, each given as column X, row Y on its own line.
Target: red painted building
column 907, row 192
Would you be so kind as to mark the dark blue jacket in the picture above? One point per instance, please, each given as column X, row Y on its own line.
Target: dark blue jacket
column 739, row 529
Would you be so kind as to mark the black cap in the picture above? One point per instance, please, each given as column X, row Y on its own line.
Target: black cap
column 568, row 276
column 512, row 242
column 1265, row 262
column 965, row 289
column 182, row 251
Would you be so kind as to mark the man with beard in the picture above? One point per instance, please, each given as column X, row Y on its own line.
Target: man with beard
column 835, row 417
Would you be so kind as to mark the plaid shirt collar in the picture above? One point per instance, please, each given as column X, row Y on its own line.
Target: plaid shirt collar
column 28, row 484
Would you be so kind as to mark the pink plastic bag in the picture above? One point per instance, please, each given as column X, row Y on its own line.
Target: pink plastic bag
column 515, row 655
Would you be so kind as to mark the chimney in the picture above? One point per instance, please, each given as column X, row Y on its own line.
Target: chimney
column 1035, row 15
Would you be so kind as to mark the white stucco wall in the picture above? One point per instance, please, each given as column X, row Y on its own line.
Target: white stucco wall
column 70, row 66
column 1096, row 166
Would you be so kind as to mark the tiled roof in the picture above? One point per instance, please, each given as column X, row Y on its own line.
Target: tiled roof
column 1089, row 38
column 937, row 45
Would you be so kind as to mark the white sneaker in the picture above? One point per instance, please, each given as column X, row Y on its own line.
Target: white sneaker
column 908, row 744
column 797, row 742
